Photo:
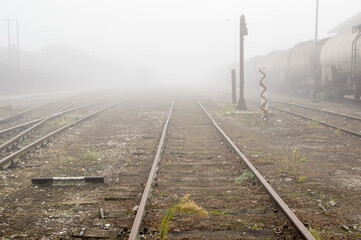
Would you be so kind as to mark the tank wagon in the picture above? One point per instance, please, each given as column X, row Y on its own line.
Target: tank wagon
column 341, row 64
column 336, row 68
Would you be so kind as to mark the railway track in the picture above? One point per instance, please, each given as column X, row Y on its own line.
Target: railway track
column 115, row 139
column 13, row 144
column 17, row 116
column 201, row 162
column 341, row 122
column 31, row 126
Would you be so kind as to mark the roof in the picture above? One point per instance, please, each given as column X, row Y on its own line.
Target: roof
column 347, row 25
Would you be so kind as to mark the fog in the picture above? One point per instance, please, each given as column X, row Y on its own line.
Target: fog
column 108, row 43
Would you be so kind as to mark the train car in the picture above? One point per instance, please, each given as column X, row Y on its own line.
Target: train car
column 292, row 69
column 334, row 71
column 338, row 55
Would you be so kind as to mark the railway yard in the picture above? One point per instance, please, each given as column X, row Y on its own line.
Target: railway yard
column 178, row 165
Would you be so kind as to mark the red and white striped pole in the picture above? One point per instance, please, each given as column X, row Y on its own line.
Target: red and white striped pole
column 263, row 94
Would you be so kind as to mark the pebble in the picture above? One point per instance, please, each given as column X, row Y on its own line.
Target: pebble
column 135, row 209
column 288, row 179
column 332, row 203
column 345, row 227
column 322, row 207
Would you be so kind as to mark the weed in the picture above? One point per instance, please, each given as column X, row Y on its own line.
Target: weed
column 246, row 174
column 314, row 123
column 302, row 179
column 90, row 156
column 256, row 227
column 337, row 131
column 303, row 159
column 219, row 212
column 263, row 124
column 253, row 226
column 314, row 233
column 185, row 205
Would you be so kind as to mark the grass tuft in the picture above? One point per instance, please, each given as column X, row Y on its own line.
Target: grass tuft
column 314, row 233
column 302, row 179
column 246, row 174
column 185, row 205
column 90, row 156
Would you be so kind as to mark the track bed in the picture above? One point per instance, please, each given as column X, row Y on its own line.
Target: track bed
column 197, row 161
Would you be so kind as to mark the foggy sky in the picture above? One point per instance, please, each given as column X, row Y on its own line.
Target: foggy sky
column 182, row 40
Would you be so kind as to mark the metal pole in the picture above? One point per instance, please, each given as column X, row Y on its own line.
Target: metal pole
column 243, row 32
column 17, row 44
column 9, row 46
column 234, row 87
column 316, row 54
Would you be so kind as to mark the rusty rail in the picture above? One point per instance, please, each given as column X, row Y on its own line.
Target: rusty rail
column 140, row 213
column 7, row 161
column 287, row 211
column 18, row 127
column 20, row 137
column 16, row 115
column 320, row 122
column 320, row 110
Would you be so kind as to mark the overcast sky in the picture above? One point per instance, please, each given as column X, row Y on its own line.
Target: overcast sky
column 184, row 37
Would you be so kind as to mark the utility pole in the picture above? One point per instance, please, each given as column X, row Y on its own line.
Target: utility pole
column 234, row 87
column 17, row 45
column 243, row 32
column 316, row 83
column 11, row 46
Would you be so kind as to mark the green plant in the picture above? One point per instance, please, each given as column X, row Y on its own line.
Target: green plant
column 303, row 159
column 337, row 131
column 314, row 233
column 90, row 156
column 313, row 123
column 185, row 205
column 219, row 212
column 302, row 179
column 263, row 124
column 246, row 174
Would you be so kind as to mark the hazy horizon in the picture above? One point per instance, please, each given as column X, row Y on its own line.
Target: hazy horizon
column 180, row 40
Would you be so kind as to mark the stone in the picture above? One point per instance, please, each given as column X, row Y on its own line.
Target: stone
column 288, row 179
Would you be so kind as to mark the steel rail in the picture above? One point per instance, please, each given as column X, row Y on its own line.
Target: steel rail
column 286, row 210
column 4, row 120
column 17, row 127
column 140, row 213
column 320, row 110
column 7, row 131
column 320, row 122
column 20, row 137
column 7, row 161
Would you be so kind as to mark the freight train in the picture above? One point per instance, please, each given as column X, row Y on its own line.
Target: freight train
column 334, row 70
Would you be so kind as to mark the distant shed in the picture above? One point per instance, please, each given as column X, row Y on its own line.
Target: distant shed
column 347, row 25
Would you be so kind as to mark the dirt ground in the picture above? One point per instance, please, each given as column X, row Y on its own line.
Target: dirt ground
column 321, row 183
column 315, row 169
column 112, row 145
